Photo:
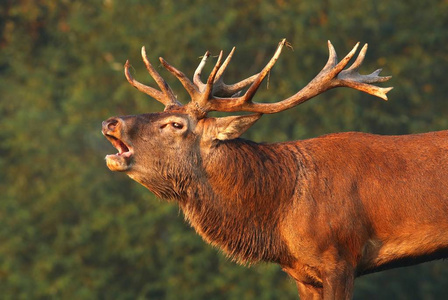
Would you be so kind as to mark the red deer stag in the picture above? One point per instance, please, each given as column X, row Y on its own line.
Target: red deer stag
column 327, row 209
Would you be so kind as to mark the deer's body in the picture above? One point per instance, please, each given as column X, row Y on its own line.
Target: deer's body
column 368, row 203
column 326, row 209
column 348, row 200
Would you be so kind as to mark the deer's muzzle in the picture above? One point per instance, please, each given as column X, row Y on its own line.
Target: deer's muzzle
column 113, row 131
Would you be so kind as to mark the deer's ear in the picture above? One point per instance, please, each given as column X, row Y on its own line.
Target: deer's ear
column 232, row 127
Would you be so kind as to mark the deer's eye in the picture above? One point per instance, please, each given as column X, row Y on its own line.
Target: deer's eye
column 177, row 125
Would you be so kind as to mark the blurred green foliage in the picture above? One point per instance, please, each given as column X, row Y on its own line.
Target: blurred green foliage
column 70, row 229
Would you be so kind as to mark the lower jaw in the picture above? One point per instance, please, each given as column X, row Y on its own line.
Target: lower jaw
column 118, row 163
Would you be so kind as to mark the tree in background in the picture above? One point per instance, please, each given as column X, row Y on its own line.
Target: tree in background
column 70, row 229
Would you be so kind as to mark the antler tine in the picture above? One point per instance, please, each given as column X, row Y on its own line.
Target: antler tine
column 333, row 67
column 164, row 87
column 225, row 90
column 351, row 78
column 224, row 65
column 197, row 74
column 233, row 90
column 211, row 79
column 141, row 87
column 188, row 85
column 165, row 96
column 206, row 89
column 331, row 76
column 256, row 84
column 360, row 58
column 332, row 57
column 220, row 89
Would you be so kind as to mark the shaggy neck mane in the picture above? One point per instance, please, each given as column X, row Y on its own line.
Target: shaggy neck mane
column 237, row 204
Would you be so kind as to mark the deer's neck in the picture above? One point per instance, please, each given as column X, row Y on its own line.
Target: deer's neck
column 241, row 198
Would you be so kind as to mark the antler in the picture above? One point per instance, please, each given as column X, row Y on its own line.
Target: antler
column 201, row 93
column 331, row 76
column 165, row 96
column 205, row 97
column 220, row 89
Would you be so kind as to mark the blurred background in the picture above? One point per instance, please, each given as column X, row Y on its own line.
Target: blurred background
column 71, row 229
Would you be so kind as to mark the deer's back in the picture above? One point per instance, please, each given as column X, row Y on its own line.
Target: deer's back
column 384, row 197
column 380, row 168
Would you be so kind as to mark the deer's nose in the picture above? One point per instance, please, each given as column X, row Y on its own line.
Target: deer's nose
column 111, row 125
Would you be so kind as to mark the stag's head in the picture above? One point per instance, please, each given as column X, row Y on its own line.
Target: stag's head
column 160, row 149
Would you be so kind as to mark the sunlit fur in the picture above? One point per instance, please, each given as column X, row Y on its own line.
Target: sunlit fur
column 239, row 203
column 326, row 209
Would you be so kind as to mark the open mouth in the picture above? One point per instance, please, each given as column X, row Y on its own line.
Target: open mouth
column 123, row 149
column 121, row 161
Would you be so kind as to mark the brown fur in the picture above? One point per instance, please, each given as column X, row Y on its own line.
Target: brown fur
column 243, row 220
column 371, row 203
column 326, row 209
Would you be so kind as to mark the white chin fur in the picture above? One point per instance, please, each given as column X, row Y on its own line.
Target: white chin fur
column 117, row 162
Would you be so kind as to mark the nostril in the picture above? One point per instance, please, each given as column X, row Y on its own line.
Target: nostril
column 110, row 124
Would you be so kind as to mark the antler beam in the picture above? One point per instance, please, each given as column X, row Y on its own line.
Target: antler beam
column 331, row 76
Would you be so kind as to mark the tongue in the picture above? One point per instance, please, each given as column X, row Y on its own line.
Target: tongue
column 125, row 154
